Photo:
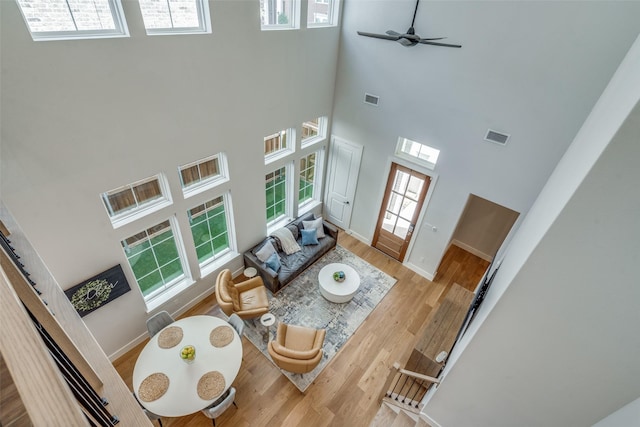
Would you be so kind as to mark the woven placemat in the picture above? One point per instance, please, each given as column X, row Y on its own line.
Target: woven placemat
column 170, row 337
column 153, row 387
column 221, row 336
column 211, row 385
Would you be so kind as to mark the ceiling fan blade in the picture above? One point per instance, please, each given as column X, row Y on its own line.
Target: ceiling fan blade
column 434, row 38
column 426, row 41
column 379, row 36
column 393, row 33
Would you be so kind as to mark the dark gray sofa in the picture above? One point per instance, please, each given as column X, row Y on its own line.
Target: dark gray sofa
column 296, row 263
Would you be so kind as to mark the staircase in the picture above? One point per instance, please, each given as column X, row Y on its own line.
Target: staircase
column 388, row 417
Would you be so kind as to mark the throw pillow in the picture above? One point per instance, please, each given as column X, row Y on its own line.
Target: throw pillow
column 309, row 237
column 273, row 262
column 265, row 251
column 317, row 224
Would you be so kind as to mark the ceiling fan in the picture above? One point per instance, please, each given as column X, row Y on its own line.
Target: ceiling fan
column 410, row 38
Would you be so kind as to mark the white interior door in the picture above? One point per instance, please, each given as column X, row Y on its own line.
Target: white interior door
column 344, row 165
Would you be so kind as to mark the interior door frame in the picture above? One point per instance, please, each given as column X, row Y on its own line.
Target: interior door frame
column 421, row 225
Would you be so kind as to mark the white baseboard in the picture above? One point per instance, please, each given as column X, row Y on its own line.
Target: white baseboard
column 420, row 271
column 471, row 250
column 358, row 236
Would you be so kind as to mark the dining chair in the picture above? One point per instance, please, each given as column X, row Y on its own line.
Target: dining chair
column 222, row 404
column 157, row 322
column 236, row 323
column 149, row 414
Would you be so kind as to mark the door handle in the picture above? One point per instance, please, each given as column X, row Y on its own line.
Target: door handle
column 346, row 203
column 411, row 227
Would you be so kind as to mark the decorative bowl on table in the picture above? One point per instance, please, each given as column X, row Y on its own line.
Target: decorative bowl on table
column 188, row 353
column 339, row 276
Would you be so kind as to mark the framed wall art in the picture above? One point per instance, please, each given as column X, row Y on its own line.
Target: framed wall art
column 99, row 290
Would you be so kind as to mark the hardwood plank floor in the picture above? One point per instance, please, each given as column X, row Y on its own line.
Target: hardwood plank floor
column 346, row 392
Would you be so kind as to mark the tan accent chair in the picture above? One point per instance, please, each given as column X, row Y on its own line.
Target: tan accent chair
column 247, row 299
column 296, row 348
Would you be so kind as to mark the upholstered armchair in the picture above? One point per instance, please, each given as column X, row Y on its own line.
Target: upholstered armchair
column 247, row 299
column 297, row 349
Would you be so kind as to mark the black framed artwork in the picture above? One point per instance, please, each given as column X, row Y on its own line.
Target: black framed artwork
column 99, row 290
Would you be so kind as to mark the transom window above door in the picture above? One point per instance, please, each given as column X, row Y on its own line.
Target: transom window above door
column 416, row 152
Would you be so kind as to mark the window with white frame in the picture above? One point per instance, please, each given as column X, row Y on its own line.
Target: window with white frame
column 204, row 173
column 278, row 143
column 175, row 16
column 131, row 200
column 417, row 152
column 322, row 13
column 313, row 131
column 209, row 224
column 308, row 178
column 73, row 19
column 155, row 259
column 279, row 14
column 276, row 194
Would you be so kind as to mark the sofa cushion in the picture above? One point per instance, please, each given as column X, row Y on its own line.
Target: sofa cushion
column 317, row 224
column 299, row 338
column 265, row 251
column 299, row 222
column 273, row 262
column 309, row 237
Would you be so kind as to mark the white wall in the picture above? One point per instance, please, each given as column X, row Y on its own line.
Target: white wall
column 556, row 341
column 86, row 116
column 628, row 415
column 528, row 68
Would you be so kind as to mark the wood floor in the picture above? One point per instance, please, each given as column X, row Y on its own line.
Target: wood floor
column 346, row 392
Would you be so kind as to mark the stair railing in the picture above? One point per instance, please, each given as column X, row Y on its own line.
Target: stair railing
column 406, row 388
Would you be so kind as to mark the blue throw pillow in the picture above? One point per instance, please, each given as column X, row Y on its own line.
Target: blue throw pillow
column 273, row 262
column 309, row 237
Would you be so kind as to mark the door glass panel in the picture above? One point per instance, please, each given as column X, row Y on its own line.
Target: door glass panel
column 389, row 222
column 402, row 228
column 414, row 188
column 408, row 209
column 394, row 203
column 400, row 182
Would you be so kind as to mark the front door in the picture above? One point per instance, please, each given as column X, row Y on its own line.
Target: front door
column 404, row 195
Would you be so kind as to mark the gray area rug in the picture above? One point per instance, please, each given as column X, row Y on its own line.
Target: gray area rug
column 300, row 303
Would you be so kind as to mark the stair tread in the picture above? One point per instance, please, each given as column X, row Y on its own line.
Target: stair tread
column 384, row 418
column 403, row 420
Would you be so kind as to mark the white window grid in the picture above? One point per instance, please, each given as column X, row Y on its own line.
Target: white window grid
column 84, row 19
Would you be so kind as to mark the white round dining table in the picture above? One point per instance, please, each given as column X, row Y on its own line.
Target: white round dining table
column 181, row 397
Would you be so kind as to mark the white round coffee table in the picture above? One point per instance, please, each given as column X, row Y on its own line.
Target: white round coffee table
column 338, row 292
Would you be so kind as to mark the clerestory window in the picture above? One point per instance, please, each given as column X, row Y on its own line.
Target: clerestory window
column 73, row 19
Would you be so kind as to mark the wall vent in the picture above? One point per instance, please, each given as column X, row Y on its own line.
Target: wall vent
column 496, row 137
column 371, row 99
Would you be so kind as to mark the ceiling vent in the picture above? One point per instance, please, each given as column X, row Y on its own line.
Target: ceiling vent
column 371, row 99
column 496, row 137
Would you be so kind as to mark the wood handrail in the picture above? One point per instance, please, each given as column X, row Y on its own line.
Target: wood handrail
column 43, row 392
column 419, row 376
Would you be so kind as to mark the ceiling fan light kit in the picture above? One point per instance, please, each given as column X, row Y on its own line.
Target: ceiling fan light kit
column 410, row 38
